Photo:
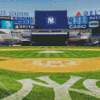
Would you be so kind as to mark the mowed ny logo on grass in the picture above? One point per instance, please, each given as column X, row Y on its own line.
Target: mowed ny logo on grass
column 61, row 91
column 54, row 63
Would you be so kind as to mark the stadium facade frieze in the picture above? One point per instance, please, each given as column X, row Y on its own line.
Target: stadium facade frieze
column 14, row 13
column 50, row 20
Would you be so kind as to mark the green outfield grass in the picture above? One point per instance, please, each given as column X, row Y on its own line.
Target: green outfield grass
column 35, row 54
column 9, row 85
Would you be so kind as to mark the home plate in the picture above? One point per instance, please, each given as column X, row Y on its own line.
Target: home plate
column 50, row 51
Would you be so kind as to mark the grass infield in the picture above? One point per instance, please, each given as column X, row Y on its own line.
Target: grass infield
column 9, row 85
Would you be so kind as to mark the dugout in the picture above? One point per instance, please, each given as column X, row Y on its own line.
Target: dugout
column 49, row 39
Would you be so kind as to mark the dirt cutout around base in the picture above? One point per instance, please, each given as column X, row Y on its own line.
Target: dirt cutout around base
column 50, row 64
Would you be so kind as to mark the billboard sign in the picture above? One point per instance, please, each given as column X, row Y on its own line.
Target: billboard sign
column 24, row 20
column 92, row 13
column 6, row 24
column 78, row 14
column 17, row 26
column 94, row 24
column 51, row 20
column 78, row 26
column 6, row 18
column 94, row 17
column 78, row 20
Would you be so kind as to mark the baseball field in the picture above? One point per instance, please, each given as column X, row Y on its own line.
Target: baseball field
column 28, row 74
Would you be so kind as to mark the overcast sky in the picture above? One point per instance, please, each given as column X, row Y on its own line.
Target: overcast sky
column 72, row 6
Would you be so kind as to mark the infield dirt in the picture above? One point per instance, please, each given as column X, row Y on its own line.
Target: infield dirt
column 50, row 64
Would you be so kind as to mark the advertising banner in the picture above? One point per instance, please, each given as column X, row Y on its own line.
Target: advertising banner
column 94, row 17
column 94, row 24
column 6, row 24
column 78, row 26
column 24, row 20
column 23, row 26
column 92, row 13
column 51, row 20
column 78, row 20
column 6, row 18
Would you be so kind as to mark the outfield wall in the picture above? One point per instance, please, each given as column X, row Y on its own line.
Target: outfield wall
column 49, row 39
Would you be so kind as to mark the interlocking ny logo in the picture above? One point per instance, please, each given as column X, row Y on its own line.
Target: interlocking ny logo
column 61, row 91
column 50, row 20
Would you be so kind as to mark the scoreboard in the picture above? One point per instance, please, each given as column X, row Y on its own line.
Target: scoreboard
column 10, row 22
column 78, row 20
column 24, row 20
column 23, row 23
column 51, row 19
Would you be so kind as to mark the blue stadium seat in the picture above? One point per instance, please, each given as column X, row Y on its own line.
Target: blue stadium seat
column 96, row 34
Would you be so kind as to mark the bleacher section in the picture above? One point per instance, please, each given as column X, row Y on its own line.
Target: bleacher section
column 7, row 37
column 96, row 34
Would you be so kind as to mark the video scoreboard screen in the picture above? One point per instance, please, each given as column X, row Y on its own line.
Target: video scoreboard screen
column 23, row 23
column 24, row 20
column 78, row 20
column 16, row 22
column 94, row 24
column 6, row 24
column 51, row 20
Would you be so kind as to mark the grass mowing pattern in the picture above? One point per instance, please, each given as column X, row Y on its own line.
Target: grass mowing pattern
column 98, row 84
column 79, row 84
column 35, row 54
column 40, row 93
column 8, row 78
column 79, row 96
